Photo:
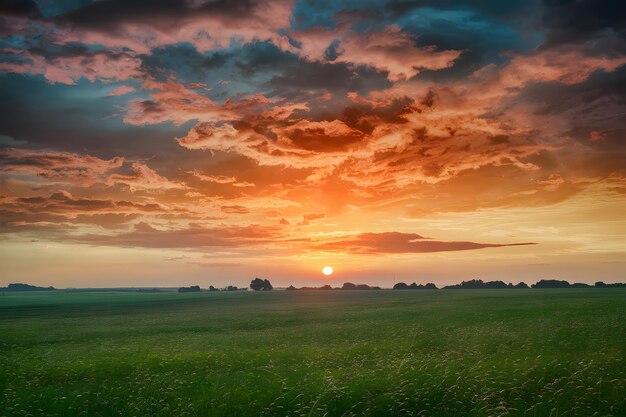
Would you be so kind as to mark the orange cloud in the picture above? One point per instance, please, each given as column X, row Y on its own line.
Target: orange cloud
column 397, row 242
column 195, row 236
column 221, row 179
column 145, row 179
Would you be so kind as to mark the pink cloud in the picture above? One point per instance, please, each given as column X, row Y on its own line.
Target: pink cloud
column 390, row 49
column 210, row 30
column 121, row 90
column 567, row 66
column 101, row 66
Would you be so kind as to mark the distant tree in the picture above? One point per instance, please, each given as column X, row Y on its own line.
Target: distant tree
column 580, row 285
column 414, row 286
column 193, row 288
column 601, row 284
column 480, row 284
column 212, row 288
column 26, row 287
column 551, row 283
column 362, row 287
column 496, row 284
column 323, row 288
column 471, row 284
column 291, row 288
column 259, row 284
column 348, row 286
column 231, row 288
column 521, row 285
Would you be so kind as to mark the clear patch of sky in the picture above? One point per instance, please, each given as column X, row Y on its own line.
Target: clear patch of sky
column 75, row 117
column 51, row 8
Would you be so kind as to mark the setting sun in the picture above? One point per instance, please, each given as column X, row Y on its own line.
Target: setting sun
column 327, row 270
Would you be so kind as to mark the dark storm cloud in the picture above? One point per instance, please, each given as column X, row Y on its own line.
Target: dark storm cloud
column 338, row 78
column 598, row 105
column 187, row 64
column 22, row 8
column 261, row 57
column 567, row 21
column 106, row 15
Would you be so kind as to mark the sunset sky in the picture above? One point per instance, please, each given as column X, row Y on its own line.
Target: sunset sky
column 167, row 142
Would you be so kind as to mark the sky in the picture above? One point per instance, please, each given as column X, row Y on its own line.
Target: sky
column 168, row 143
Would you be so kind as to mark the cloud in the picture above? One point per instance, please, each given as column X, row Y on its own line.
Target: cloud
column 218, row 264
column 564, row 65
column 145, row 179
column 221, row 179
column 101, row 66
column 280, row 110
column 62, row 167
column 173, row 102
column 307, row 218
column 121, row 90
column 323, row 136
column 390, row 49
column 63, row 202
column 143, row 25
column 194, row 236
column 584, row 20
column 397, row 242
column 235, row 209
column 63, row 208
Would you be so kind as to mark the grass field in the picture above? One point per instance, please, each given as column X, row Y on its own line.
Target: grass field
column 334, row 353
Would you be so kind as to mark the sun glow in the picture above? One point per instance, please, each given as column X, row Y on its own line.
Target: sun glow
column 327, row 270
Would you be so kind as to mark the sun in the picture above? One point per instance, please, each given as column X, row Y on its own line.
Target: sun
column 327, row 270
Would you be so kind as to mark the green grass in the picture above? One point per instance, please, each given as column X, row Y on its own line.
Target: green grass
column 340, row 353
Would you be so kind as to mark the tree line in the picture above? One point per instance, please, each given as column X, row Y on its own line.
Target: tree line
column 260, row 284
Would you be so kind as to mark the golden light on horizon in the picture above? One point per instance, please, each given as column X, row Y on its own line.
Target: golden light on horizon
column 327, row 270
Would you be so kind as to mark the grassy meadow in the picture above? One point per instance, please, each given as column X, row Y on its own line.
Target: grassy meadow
column 314, row 353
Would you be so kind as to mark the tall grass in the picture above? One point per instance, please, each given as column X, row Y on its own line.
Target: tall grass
column 328, row 353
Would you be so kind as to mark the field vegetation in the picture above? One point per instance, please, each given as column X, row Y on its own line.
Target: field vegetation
column 553, row 352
